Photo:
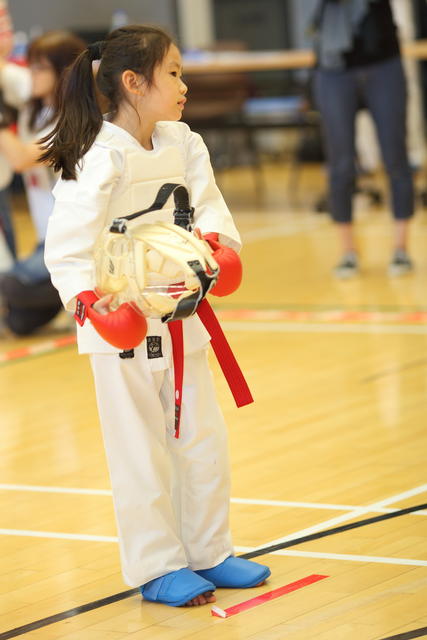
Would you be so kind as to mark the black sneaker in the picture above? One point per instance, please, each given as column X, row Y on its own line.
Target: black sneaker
column 400, row 264
column 347, row 267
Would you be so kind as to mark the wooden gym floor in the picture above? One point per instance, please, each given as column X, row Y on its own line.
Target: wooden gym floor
column 337, row 436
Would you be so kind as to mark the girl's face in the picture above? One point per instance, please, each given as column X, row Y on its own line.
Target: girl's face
column 43, row 78
column 165, row 98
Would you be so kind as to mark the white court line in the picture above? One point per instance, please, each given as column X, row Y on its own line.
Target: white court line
column 300, row 505
column 402, row 496
column 341, row 556
column 291, row 228
column 315, row 327
column 281, row 230
column 319, row 527
column 248, row 501
column 314, row 529
column 284, row 552
column 46, row 489
column 358, row 511
column 316, row 505
column 57, row 535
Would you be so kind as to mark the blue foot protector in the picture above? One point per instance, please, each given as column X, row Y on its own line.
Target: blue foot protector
column 236, row 573
column 176, row 588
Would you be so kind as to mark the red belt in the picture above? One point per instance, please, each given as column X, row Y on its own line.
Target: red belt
column 228, row 363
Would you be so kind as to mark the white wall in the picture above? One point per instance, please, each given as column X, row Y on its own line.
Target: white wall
column 196, row 23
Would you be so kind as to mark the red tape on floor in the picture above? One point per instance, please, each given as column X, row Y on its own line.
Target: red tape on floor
column 332, row 315
column 37, row 349
column 268, row 315
column 266, row 597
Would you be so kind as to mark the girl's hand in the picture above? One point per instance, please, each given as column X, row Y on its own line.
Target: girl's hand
column 102, row 305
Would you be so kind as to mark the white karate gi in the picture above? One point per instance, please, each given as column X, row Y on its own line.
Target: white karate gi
column 15, row 82
column 171, row 495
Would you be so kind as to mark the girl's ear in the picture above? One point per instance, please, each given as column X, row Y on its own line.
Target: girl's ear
column 133, row 82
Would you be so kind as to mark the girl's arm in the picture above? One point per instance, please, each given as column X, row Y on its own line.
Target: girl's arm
column 211, row 211
column 212, row 217
column 79, row 216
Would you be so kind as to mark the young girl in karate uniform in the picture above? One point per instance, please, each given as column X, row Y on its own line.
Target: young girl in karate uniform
column 171, row 495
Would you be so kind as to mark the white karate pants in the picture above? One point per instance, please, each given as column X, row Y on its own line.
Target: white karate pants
column 171, row 496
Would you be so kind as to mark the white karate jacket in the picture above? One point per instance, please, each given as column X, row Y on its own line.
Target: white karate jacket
column 119, row 177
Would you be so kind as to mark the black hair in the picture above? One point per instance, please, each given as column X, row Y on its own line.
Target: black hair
column 139, row 48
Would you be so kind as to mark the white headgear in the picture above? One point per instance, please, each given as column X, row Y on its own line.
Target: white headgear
column 162, row 268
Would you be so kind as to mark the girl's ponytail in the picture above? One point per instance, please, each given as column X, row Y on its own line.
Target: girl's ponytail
column 79, row 116
column 137, row 47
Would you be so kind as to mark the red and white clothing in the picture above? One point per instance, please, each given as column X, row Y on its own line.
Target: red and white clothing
column 15, row 82
column 171, row 495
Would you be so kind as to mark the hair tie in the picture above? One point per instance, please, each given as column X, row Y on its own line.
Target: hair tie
column 95, row 49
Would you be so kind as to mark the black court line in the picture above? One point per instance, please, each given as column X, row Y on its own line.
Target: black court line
column 415, row 633
column 70, row 613
column 44, row 622
column 331, row 532
column 389, row 372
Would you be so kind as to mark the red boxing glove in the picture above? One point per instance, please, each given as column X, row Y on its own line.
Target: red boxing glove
column 230, row 266
column 124, row 328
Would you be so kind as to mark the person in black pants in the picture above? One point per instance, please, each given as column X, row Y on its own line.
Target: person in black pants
column 359, row 64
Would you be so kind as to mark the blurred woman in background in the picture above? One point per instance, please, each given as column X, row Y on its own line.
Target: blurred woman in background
column 359, row 66
column 29, row 299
